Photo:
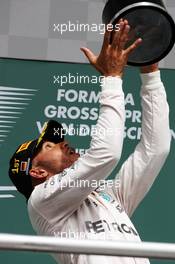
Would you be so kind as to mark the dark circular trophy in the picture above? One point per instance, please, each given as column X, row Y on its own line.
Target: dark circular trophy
column 150, row 21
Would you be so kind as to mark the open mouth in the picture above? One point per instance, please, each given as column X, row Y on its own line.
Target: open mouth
column 70, row 150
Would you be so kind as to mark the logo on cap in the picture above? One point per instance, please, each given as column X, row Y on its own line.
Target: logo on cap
column 42, row 134
column 23, row 146
column 16, row 166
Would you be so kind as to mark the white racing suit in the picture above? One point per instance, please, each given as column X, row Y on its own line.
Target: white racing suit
column 70, row 205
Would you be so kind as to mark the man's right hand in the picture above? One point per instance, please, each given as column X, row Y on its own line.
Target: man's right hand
column 113, row 56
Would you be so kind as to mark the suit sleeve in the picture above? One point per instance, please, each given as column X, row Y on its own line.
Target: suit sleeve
column 61, row 195
column 139, row 171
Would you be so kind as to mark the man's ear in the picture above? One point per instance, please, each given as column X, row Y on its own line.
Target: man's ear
column 38, row 173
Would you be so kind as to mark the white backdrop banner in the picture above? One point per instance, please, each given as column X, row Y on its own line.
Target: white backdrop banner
column 55, row 30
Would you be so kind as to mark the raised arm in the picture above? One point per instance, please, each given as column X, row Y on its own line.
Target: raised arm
column 140, row 170
column 69, row 191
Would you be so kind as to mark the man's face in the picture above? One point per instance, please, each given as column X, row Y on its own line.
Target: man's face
column 56, row 157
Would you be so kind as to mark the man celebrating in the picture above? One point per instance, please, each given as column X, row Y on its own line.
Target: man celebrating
column 44, row 169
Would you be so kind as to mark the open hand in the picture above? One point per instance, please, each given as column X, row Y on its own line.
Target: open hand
column 113, row 56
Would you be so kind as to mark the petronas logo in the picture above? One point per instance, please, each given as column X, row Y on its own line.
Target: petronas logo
column 13, row 102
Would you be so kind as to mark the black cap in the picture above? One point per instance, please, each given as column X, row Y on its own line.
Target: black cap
column 21, row 161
